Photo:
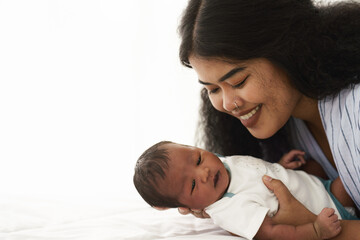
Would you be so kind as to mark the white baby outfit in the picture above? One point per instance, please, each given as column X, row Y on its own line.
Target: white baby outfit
column 247, row 201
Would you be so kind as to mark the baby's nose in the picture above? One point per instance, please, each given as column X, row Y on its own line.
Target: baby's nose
column 205, row 174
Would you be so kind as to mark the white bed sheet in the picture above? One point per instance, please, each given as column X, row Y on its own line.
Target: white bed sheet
column 25, row 218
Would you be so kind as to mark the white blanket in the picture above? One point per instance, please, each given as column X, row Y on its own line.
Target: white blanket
column 24, row 218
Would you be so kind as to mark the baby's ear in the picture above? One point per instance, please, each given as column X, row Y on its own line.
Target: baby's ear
column 160, row 208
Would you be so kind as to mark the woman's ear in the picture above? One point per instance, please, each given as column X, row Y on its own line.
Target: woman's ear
column 160, row 208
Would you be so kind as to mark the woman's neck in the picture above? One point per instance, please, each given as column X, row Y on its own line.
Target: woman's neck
column 307, row 110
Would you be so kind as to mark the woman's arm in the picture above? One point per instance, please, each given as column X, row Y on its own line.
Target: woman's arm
column 288, row 205
column 326, row 226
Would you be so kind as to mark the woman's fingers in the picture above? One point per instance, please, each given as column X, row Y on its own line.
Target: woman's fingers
column 200, row 214
column 184, row 211
column 293, row 159
column 160, row 208
column 292, row 165
column 288, row 205
column 196, row 213
column 279, row 189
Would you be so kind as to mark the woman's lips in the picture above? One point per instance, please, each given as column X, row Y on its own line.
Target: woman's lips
column 250, row 118
column 249, row 114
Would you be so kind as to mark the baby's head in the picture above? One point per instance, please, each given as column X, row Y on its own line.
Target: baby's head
column 174, row 175
column 151, row 168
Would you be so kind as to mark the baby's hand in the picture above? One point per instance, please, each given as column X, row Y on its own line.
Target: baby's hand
column 293, row 159
column 327, row 224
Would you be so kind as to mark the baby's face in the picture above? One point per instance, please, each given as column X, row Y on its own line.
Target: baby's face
column 196, row 178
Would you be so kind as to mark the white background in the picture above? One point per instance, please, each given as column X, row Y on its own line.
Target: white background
column 85, row 87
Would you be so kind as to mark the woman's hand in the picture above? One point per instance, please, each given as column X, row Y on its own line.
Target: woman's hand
column 197, row 213
column 288, row 205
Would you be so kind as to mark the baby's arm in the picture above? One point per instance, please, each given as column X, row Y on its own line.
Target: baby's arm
column 325, row 226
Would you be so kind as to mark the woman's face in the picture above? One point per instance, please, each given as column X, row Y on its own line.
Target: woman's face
column 256, row 92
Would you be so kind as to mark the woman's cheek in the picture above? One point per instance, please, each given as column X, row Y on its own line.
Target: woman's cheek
column 217, row 103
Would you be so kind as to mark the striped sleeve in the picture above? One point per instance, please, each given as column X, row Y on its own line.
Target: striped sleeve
column 340, row 117
column 302, row 139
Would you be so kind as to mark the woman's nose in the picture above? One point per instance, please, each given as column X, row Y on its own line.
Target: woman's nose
column 228, row 106
column 204, row 174
column 231, row 101
column 228, row 99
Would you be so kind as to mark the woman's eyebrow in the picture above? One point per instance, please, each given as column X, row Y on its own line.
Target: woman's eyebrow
column 226, row 76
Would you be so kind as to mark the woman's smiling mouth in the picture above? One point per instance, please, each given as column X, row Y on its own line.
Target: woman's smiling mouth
column 250, row 119
column 250, row 114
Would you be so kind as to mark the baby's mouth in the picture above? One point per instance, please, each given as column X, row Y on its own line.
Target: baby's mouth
column 216, row 178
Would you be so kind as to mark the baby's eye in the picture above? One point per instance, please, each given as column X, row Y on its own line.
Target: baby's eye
column 198, row 161
column 193, row 185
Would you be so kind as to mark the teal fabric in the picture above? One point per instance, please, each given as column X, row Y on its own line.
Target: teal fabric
column 227, row 194
column 343, row 212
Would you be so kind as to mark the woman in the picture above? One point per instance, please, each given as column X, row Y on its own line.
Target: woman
column 278, row 75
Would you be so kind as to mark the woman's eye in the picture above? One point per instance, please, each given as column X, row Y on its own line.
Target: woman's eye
column 193, row 185
column 213, row 91
column 198, row 161
column 241, row 83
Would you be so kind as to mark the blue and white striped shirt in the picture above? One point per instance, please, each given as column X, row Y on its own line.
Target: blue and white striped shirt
column 340, row 116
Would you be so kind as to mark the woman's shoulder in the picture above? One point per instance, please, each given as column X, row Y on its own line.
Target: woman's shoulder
column 342, row 109
column 347, row 98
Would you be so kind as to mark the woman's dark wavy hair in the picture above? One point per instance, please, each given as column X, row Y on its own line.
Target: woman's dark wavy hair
column 318, row 47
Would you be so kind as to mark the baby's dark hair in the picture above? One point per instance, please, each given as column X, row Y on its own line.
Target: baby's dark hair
column 152, row 165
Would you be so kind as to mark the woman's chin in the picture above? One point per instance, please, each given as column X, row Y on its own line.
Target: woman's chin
column 261, row 134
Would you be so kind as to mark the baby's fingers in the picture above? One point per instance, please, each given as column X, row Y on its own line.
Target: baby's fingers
column 327, row 212
column 301, row 159
column 295, row 153
column 336, row 227
column 334, row 218
column 292, row 165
